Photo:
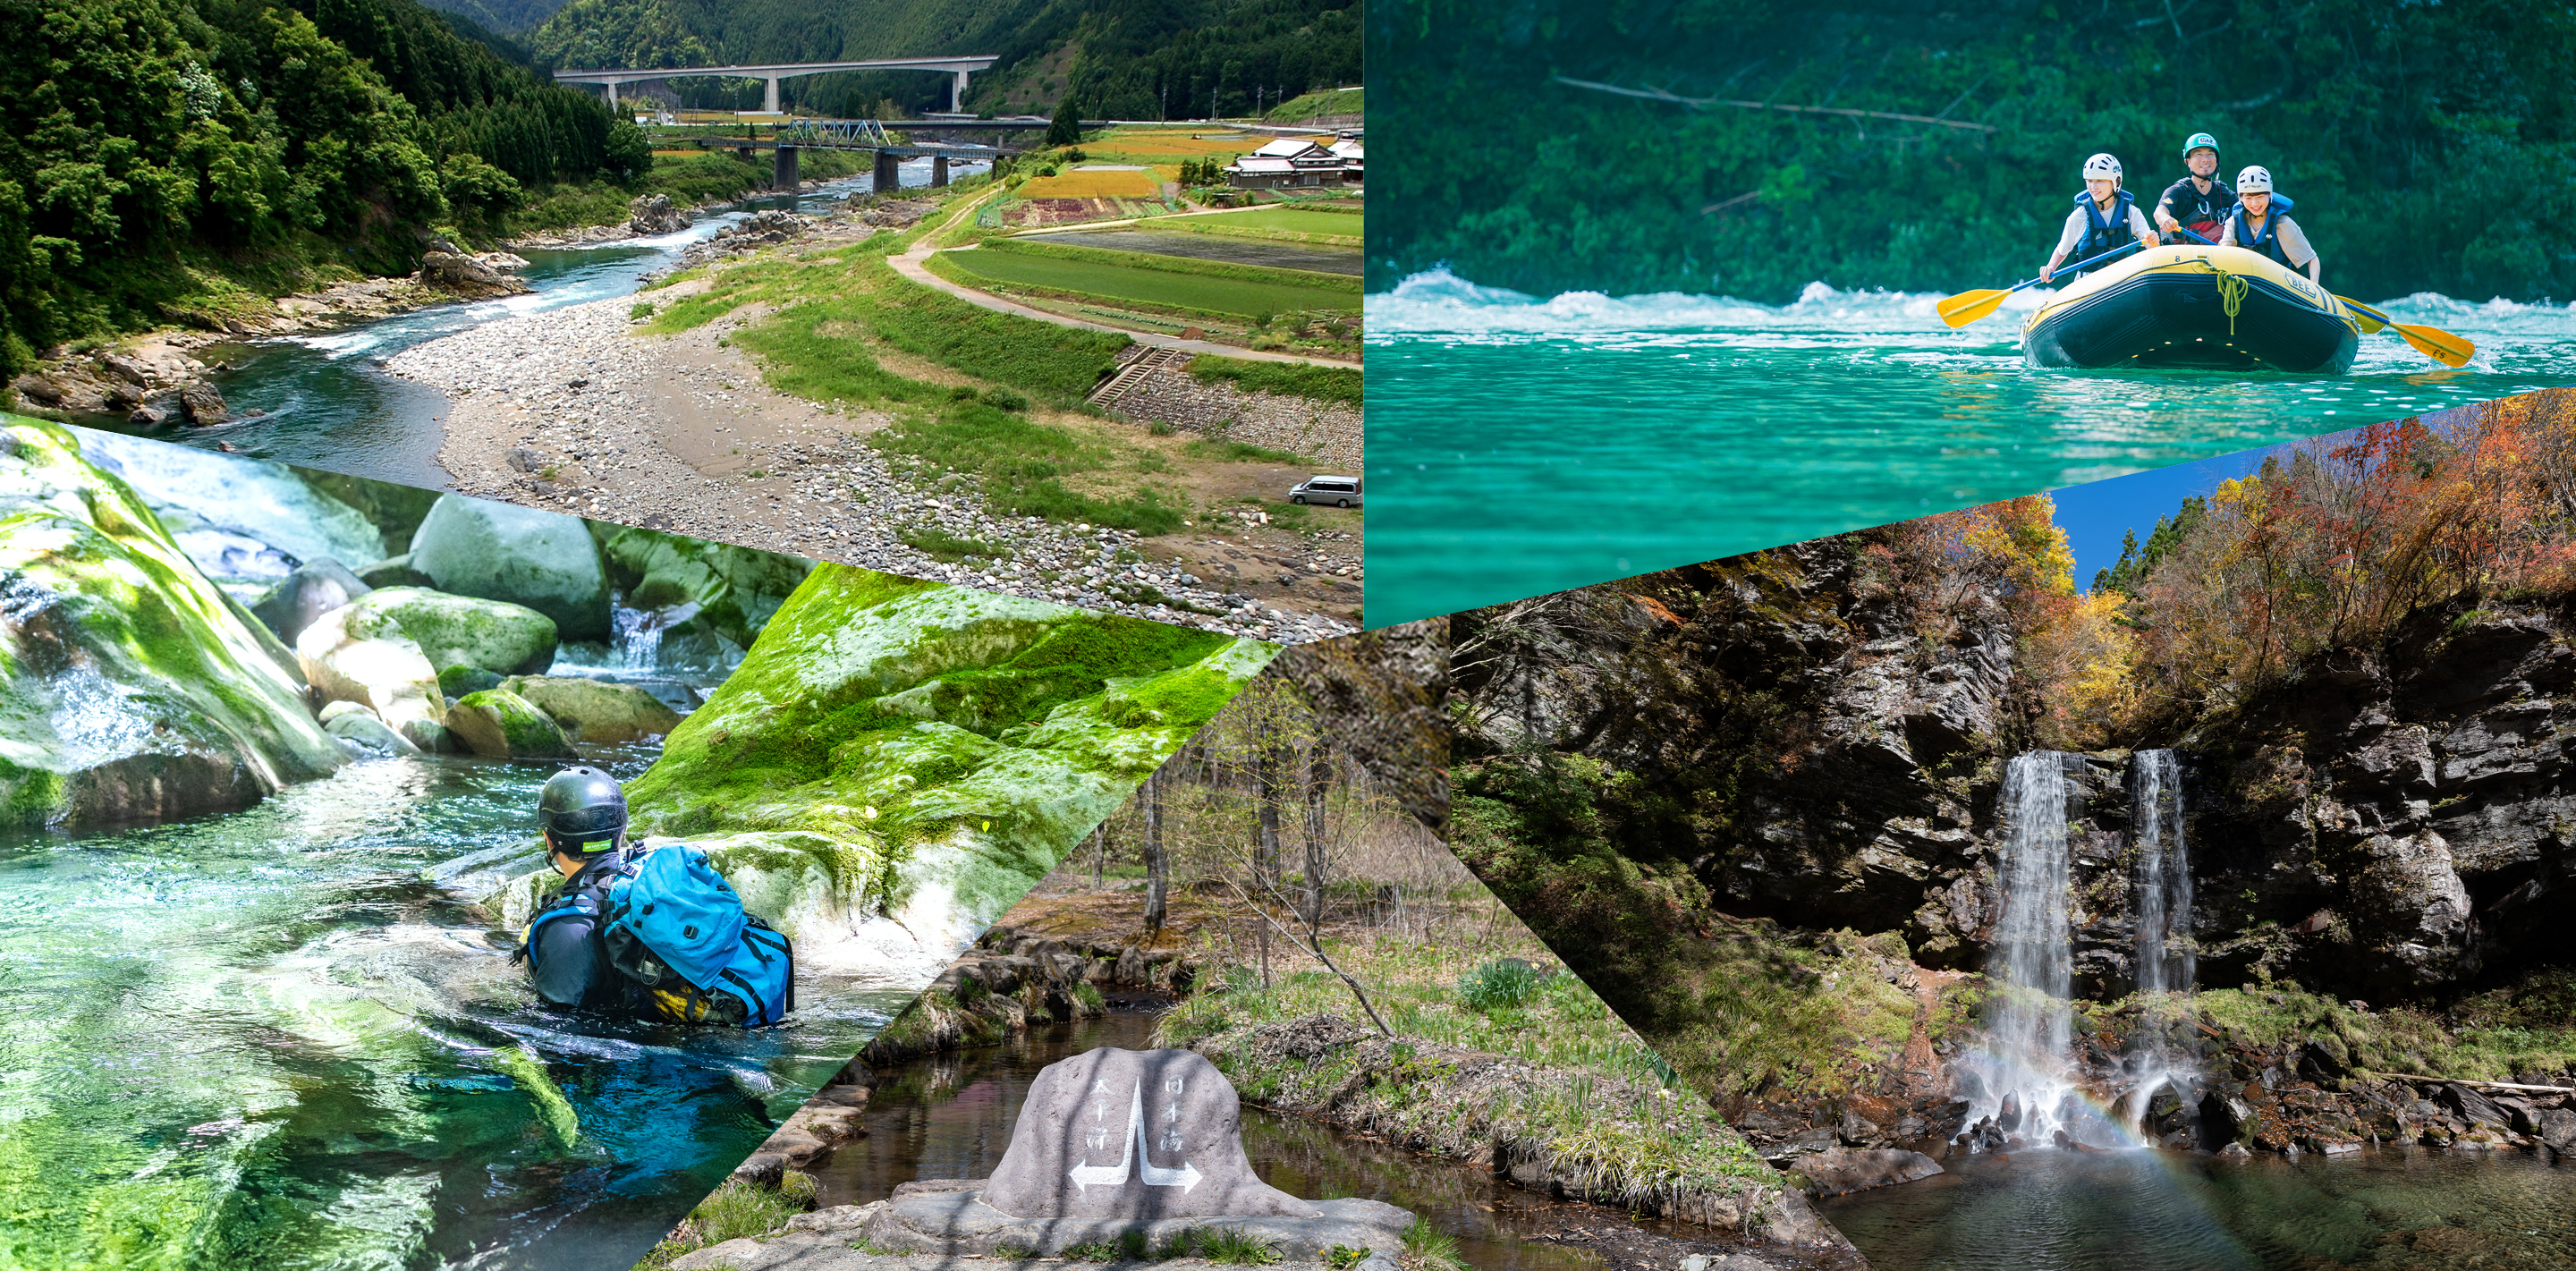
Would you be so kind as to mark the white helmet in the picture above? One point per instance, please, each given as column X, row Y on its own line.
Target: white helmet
column 2254, row 181
column 2101, row 165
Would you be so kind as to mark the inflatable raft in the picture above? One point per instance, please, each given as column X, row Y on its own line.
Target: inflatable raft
column 2205, row 308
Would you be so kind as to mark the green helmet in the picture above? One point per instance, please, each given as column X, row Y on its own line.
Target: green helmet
column 2199, row 139
column 582, row 811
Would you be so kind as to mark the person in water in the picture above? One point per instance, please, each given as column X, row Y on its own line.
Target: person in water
column 582, row 814
column 2199, row 202
column 2258, row 226
column 2105, row 217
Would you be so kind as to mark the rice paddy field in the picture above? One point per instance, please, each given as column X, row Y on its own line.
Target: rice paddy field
column 1283, row 224
column 1095, row 183
column 1167, row 283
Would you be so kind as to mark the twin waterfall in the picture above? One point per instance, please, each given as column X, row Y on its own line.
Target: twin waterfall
column 2022, row 1084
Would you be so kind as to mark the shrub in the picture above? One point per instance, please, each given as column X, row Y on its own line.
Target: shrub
column 1499, row 985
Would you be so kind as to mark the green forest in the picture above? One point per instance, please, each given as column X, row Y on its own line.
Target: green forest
column 2429, row 146
column 1123, row 59
column 157, row 155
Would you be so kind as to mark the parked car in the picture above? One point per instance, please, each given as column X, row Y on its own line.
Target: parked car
column 1341, row 492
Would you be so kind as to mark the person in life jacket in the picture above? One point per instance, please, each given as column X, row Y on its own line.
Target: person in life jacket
column 2261, row 223
column 2105, row 217
column 644, row 931
column 2199, row 202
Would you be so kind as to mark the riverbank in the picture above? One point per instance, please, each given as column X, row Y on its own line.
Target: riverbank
column 733, row 403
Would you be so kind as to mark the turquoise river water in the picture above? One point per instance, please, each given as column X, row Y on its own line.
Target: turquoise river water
column 282, row 1038
column 1519, row 445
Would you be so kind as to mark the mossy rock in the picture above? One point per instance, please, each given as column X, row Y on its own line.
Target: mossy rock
column 131, row 686
column 498, row 551
column 931, row 750
column 362, row 655
column 499, row 724
column 596, row 710
column 724, row 590
column 222, row 508
column 493, row 635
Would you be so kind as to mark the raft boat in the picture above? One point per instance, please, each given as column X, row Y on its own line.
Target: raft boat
column 2194, row 307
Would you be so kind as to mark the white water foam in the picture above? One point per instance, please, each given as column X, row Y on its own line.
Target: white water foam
column 2023, row 1082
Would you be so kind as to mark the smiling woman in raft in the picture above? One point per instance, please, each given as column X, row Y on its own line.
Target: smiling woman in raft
column 2105, row 218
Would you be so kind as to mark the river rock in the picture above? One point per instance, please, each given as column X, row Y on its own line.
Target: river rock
column 544, row 560
column 351, row 722
column 465, row 276
column 494, row 636
column 305, row 595
column 395, row 571
column 243, row 520
column 141, row 690
column 1132, row 1134
column 596, row 710
column 358, row 654
column 203, row 405
column 653, row 214
column 503, row 725
column 1840, row 1170
column 691, row 583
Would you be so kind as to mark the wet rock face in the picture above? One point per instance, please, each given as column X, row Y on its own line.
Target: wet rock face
column 544, row 560
column 1132, row 1134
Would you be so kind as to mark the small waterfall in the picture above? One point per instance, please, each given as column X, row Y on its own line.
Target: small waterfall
column 2164, row 1051
column 638, row 643
column 2023, row 1083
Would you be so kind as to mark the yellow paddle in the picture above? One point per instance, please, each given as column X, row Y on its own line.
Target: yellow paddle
column 2432, row 342
column 1968, row 306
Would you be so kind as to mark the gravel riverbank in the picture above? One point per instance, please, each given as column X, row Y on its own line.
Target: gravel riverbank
column 571, row 410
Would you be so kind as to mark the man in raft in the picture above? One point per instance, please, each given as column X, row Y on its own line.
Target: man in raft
column 2105, row 217
column 2199, row 202
column 2257, row 226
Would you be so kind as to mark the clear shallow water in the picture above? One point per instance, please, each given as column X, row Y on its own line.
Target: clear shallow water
column 1519, row 446
column 950, row 1116
column 2154, row 1211
column 277, row 1038
column 330, row 403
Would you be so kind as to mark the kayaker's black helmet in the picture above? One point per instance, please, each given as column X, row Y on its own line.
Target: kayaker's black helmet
column 582, row 811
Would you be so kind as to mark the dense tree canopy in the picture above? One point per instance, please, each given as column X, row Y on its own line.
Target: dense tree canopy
column 2430, row 147
column 137, row 136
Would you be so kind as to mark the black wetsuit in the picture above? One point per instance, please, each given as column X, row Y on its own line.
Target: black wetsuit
column 568, row 961
column 2185, row 203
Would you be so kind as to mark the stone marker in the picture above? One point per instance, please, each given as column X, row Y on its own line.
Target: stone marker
column 1133, row 1134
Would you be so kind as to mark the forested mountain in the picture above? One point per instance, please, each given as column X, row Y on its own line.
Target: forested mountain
column 2429, row 146
column 153, row 149
column 503, row 17
column 1116, row 58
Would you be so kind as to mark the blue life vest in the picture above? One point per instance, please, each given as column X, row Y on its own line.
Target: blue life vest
column 2101, row 234
column 673, row 925
column 2269, row 243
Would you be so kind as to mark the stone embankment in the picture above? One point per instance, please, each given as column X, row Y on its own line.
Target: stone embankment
column 1164, row 392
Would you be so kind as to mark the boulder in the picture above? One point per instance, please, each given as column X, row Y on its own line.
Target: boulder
column 349, row 721
column 459, row 679
column 356, row 654
column 465, row 276
column 138, row 689
column 1840, row 1170
column 503, row 725
column 395, row 571
column 305, row 595
column 544, row 560
column 1132, row 1134
column 491, row 635
column 203, row 405
column 596, row 710
column 953, row 1220
column 690, row 583
column 242, row 520
column 653, row 214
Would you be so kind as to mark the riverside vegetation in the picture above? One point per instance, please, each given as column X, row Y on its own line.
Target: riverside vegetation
column 1756, row 801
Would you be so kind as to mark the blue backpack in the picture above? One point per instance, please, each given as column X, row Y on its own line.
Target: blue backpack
column 673, row 925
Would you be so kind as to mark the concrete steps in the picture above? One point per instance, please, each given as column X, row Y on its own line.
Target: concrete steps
column 1135, row 364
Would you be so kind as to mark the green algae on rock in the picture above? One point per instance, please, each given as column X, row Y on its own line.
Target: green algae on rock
column 725, row 590
column 499, row 551
column 499, row 724
column 493, row 635
column 596, row 710
column 134, row 688
column 895, row 762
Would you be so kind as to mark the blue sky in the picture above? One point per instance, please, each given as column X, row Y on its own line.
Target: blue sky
column 2094, row 515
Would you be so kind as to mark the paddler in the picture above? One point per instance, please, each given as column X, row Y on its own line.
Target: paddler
column 2258, row 226
column 2105, row 217
column 2200, row 201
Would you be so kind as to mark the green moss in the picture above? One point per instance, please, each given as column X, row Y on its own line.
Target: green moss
column 736, row 589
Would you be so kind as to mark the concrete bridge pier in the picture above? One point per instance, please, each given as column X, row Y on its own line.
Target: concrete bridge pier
column 956, row 94
column 886, row 180
column 782, row 174
column 769, row 94
column 612, row 96
column 939, row 169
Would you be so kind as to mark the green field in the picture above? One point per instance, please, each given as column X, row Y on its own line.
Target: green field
column 1287, row 224
column 1162, row 287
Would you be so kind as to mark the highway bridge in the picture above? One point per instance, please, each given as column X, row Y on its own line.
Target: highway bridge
column 959, row 67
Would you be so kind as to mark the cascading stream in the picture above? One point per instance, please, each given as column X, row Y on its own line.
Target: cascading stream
column 2022, row 1083
column 2162, row 1054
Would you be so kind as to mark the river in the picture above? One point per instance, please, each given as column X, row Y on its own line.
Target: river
column 330, row 404
column 950, row 1116
column 281, row 1038
column 1520, row 445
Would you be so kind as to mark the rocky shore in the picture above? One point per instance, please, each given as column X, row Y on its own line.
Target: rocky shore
column 570, row 411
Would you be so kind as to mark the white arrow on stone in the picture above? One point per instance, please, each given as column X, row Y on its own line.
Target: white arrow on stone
column 1185, row 1178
